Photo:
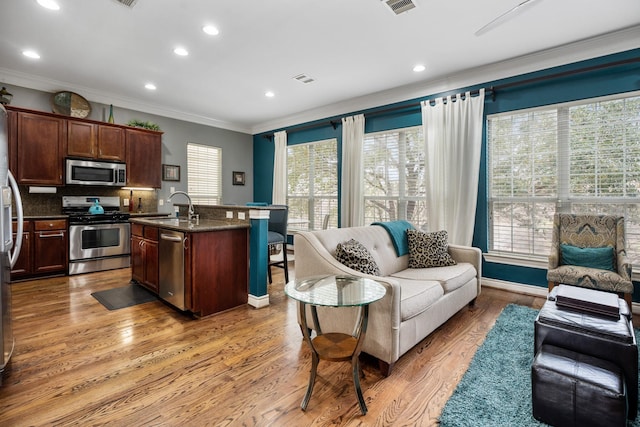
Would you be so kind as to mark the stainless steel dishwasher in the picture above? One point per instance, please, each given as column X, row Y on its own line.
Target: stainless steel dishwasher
column 171, row 286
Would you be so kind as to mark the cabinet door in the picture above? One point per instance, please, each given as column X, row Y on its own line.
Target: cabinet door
column 81, row 139
column 50, row 253
column 23, row 265
column 151, row 267
column 144, row 151
column 40, row 149
column 111, row 143
column 137, row 258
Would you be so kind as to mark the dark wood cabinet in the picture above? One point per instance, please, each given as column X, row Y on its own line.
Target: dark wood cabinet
column 216, row 270
column 144, row 157
column 95, row 141
column 40, row 145
column 50, row 246
column 81, row 139
column 23, row 266
column 45, row 249
column 111, row 145
column 144, row 256
column 39, row 142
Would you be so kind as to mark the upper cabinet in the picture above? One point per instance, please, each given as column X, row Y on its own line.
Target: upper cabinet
column 95, row 141
column 39, row 142
column 144, row 157
column 111, row 143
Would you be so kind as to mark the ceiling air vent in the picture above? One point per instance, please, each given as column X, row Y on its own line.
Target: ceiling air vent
column 399, row 6
column 303, row 78
column 128, row 3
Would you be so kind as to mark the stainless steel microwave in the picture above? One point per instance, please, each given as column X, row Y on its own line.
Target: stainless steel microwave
column 89, row 172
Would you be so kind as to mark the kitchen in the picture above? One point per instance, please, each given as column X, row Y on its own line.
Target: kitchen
column 48, row 200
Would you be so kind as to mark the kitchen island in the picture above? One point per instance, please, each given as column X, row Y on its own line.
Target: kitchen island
column 201, row 267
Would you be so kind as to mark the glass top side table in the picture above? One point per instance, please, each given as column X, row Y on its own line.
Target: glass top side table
column 335, row 291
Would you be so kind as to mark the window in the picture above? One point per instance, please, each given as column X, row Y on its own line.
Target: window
column 581, row 157
column 204, row 174
column 312, row 184
column 394, row 176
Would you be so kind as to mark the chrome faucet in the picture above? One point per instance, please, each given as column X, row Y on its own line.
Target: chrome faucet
column 192, row 214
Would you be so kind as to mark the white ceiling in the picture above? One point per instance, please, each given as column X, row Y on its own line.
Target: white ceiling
column 358, row 51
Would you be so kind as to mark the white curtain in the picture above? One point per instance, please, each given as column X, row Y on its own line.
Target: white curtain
column 279, row 196
column 352, row 209
column 453, row 137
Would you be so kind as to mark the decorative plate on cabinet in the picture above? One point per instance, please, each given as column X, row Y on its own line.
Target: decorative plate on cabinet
column 70, row 104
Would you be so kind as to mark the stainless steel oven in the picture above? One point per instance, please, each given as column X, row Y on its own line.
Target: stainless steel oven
column 97, row 241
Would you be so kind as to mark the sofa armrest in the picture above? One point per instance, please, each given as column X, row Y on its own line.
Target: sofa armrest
column 468, row 254
column 313, row 259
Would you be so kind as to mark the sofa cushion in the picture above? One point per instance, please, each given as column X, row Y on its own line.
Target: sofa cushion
column 355, row 255
column 417, row 296
column 450, row 278
column 428, row 249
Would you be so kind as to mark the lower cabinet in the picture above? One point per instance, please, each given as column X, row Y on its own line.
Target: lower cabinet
column 45, row 249
column 216, row 266
column 144, row 255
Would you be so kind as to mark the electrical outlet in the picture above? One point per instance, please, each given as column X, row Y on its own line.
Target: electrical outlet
column 161, row 202
column 240, row 215
column 125, row 202
column 172, row 190
column 230, row 214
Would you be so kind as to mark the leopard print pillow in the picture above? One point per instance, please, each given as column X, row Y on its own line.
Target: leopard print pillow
column 428, row 249
column 355, row 255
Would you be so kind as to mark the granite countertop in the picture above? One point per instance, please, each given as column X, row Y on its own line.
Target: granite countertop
column 183, row 225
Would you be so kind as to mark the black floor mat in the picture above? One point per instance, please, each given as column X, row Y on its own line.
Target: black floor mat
column 127, row 296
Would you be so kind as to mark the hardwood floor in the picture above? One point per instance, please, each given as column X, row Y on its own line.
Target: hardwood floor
column 77, row 363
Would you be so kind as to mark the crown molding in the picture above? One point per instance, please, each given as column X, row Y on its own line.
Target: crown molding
column 606, row 44
column 31, row 81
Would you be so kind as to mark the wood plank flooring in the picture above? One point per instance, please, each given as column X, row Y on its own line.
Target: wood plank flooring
column 77, row 363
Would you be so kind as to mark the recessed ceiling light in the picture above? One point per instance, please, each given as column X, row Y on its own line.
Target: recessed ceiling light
column 211, row 30
column 269, row 94
column 180, row 51
column 150, row 86
column 419, row 68
column 31, row 54
column 49, row 4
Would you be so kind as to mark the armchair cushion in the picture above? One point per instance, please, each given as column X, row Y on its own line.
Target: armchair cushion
column 604, row 280
column 601, row 258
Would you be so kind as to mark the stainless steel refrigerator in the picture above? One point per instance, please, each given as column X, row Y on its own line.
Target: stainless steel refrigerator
column 9, row 250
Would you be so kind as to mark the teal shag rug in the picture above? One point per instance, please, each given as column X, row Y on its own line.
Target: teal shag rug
column 496, row 389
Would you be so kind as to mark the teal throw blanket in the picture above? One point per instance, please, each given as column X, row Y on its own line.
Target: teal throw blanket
column 397, row 232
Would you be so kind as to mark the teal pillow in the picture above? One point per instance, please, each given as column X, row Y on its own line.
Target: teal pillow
column 601, row 258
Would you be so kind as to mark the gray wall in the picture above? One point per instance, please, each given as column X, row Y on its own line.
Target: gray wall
column 237, row 148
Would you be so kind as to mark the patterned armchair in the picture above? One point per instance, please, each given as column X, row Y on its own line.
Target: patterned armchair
column 590, row 231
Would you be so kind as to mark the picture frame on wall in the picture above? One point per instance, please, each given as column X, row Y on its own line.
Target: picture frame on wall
column 238, row 178
column 170, row 172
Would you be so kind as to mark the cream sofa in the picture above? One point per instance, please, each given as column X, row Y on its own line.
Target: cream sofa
column 417, row 300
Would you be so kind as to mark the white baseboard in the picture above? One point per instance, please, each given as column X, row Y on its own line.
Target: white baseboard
column 537, row 291
column 258, row 302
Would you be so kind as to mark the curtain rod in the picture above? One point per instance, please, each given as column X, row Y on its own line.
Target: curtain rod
column 489, row 91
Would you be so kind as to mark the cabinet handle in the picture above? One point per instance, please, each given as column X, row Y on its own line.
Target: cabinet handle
column 51, row 235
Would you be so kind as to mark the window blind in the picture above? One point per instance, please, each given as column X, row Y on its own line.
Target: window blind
column 579, row 157
column 394, row 176
column 312, row 183
column 204, row 174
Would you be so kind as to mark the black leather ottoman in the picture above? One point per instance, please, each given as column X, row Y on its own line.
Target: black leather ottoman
column 611, row 340
column 571, row 389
